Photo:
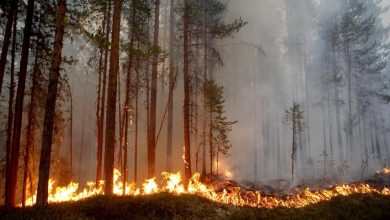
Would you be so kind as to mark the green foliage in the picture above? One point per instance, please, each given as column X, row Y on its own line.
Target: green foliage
column 294, row 116
column 219, row 123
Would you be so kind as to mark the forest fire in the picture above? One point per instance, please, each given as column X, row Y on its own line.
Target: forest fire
column 232, row 195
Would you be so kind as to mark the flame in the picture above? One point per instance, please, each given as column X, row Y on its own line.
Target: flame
column 150, row 186
column 231, row 195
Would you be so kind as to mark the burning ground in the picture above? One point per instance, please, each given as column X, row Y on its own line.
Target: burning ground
column 215, row 199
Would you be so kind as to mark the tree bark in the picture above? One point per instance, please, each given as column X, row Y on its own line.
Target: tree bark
column 186, row 107
column 153, row 96
column 103, row 103
column 136, row 123
column 205, row 66
column 330, row 128
column 7, row 38
column 211, row 147
column 99, row 100
column 71, row 132
column 47, row 138
column 171, row 84
column 11, row 101
column 111, row 100
column 11, row 181
column 30, row 124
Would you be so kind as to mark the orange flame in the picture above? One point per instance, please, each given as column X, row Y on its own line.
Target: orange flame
column 232, row 195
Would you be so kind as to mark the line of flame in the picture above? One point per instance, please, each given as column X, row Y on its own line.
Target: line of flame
column 232, row 196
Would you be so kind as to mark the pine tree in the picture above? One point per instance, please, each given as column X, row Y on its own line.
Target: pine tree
column 111, row 100
column 11, row 181
column 219, row 126
column 294, row 117
column 44, row 165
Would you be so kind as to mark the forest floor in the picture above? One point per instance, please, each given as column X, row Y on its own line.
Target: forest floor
column 168, row 206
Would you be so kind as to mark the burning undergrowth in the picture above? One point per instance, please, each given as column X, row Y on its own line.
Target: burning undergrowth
column 218, row 190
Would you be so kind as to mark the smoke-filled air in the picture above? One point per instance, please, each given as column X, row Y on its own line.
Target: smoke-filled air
column 259, row 103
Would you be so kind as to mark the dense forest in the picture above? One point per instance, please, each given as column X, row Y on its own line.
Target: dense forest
column 265, row 91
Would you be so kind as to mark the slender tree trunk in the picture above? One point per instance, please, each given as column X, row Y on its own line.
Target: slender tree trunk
column 171, row 84
column 378, row 144
column 82, row 145
column 217, row 162
column 349, row 90
column 71, row 133
column 99, row 98
column 153, row 96
column 324, row 152
column 111, row 101
column 147, row 79
column 205, row 69
column 279, row 166
column 136, row 123
column 11, row 181
column 307, row 107
column 47, row 138
column 107, row 19
column 186, row 108
column 384, row 135
column 11, row 101
column 30, row 124
column 7, row 38
column 365, row 136
column 121, row 125
column 126, row 112
column 211, row 147
column 195, row 105
column 337, row 102
column 294, row 148
column 330, row 128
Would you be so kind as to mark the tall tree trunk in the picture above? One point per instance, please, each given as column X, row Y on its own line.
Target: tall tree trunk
column 132, row 23
column 11, row 101
column 47, row 138
column 7, row 38
column 349, row 91
column 107, row 19
column 336, row 101
column 147, row 79
column 171, row 84
column 186, row 107
column 30, row 124
column 279, row 165
column 81, row 145
column 378, row 144
column 365, row 136
column 294, row 148
column 330, row 127
column 111, row 100
column 205, row 69
column 195, row 105
column 384, row 135
column 71, row 132
column 153, row 96
column 120, row 124
column 136, row 122
column 217, row 162
column 211, row 147
column 99, row 98
column 11, row 181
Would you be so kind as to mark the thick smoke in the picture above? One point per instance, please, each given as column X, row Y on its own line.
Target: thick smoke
column 260, row 82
